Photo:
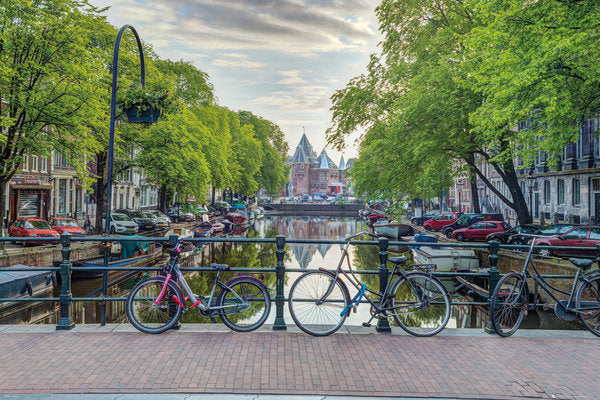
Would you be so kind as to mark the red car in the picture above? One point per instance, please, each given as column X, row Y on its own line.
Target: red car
column 441, row 220
column 62, row 225
column 578, row 236
column 480, row 230
column 32, row 227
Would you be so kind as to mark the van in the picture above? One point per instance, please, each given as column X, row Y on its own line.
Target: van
column 467, row 220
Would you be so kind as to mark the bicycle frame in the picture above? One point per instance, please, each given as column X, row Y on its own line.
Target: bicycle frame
column 548, row 287
column 379, row 306
column 174, row 270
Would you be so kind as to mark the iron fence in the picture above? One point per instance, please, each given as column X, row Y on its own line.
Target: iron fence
column 65, row 269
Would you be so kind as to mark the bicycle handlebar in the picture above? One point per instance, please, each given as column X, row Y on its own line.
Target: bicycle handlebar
column 359, row 234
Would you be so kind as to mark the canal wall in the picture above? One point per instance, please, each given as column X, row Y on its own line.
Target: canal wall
column 47, row 256
column 302, row 209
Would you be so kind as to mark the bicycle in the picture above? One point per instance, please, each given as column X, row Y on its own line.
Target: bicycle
column 510, row 299
column 319, row 301
column 154, row 305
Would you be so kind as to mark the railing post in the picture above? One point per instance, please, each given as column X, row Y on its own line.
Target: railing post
column 494, row 274
column 382, row 324
column 65, row 322
column 279, row 324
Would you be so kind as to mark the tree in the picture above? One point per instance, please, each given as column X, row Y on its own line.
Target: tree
column 48, row 85
column 416, row 101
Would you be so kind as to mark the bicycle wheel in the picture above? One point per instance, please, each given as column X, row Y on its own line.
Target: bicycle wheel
column 587, row 300
column 509, row 304
column 313, row 314
column 147, row 316
column 420, row 304
column 247, row 303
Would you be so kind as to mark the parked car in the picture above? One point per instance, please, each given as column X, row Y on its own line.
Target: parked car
column 160, row 219
column 67, row 225
column 549, row 230
column 32, row 227
column 145, row 222
column 420, row 220
column 438, row 222
column 480, row 230
column 467, row 220
column 579, row 236
column 504, row 236
column 120, row 223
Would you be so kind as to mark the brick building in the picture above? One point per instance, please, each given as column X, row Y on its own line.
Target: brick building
column 311, row 174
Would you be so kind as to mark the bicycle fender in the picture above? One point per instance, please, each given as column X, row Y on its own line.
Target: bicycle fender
column 225, row 285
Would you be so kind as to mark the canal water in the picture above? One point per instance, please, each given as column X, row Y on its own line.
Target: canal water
column 298, row 256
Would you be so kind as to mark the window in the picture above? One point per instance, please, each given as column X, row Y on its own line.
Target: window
column 480, row 225
column 25, row 166
column 578, row 233
column 560, row 188
column 34, row 163
column 576, row 191
column 595, row 234
column 44, row 164
column 547, row 192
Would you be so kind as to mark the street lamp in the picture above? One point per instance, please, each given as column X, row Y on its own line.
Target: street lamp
column 111, row 144
column 530, row 182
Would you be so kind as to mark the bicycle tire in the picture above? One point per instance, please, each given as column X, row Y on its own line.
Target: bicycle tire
column 147, row 317
column 408, row 295
column 588, row 297
column 314, row 318
column 509, row 304
column 255, row 306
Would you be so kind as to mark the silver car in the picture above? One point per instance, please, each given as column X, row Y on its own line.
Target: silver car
column 121, row 223
column 160, row 219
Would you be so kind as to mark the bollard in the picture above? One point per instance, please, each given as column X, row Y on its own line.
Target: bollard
column 494, row 278
column 279, row 323
column 382, row 324
column 65, row 322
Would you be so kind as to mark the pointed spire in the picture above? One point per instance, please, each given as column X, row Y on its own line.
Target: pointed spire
column 342, row 163
column 300, row 156
column 324, row 164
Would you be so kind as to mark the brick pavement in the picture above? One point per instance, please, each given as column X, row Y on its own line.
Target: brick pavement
column 295, row 363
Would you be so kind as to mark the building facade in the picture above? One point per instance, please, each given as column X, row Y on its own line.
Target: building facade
column 312, row 174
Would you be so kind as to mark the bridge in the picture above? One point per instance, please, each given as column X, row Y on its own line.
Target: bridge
column 458, row 363
column 317, row 209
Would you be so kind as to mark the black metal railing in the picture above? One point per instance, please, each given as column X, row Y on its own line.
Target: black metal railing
column 65, row 268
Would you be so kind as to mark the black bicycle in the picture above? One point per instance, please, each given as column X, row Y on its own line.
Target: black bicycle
column 155, row 304
column 510, row 300
column 319, row 301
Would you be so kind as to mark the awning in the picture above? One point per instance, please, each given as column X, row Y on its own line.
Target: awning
column 12, row 186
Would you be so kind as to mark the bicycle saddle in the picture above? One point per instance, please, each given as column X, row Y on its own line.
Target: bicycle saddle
column 582, row 263
column 220, row 267
column 397, row 260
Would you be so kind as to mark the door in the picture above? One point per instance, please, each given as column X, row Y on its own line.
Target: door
column 537, row 205
column 597, row 207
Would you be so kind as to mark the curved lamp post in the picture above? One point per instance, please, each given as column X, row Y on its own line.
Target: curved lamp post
column 111, row 143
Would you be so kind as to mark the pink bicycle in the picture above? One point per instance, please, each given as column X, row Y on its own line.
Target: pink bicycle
column 155, row 304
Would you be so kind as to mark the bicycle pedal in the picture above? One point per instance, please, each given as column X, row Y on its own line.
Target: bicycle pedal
column 366, row 324
column 214, row 321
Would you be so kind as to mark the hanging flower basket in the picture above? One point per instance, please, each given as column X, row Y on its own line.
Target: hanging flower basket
column 145, row 116
column 142, row 106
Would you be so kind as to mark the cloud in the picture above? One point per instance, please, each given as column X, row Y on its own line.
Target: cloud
column 298, row 99
column 233, row 60
column 291, row 78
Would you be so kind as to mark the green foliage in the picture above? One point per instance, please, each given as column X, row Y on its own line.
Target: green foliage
column 142, row 98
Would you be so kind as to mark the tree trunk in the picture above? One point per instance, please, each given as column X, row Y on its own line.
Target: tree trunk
column 162, row 198
column 214, row 192
column 519, row 203
column 474, row 192
column 3, row 220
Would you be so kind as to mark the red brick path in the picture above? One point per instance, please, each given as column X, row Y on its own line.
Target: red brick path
column 295, row 363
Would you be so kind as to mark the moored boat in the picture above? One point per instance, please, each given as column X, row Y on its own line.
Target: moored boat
column 94, row 267
column 392, row 230
column 19, row 284
column 446, row 259
column 237, row 219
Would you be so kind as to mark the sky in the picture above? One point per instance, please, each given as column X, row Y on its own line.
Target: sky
column 280, row 59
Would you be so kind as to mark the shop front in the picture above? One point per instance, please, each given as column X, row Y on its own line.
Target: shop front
column 28, row 198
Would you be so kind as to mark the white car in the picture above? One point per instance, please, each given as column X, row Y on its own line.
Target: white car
column 121, row 223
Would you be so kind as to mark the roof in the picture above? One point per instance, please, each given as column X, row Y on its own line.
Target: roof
column 300, row 155
column 324, row 162
column 342, row 163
